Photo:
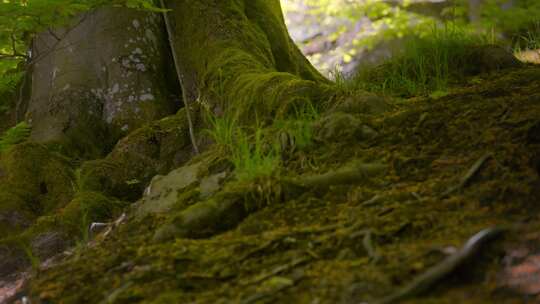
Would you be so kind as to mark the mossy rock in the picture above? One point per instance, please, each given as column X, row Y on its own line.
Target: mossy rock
column 15, row 216
column 40, row 178
column 88, row 207
column 489, row 58
column 12, row 259
column 54, row 233
column 365, row 103
column 100, row 93
column 153, row 149
column 338, row 126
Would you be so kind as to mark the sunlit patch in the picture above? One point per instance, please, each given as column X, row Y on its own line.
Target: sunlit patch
column 529, row 56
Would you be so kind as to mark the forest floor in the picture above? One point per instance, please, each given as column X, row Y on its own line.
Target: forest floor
column 455, row 166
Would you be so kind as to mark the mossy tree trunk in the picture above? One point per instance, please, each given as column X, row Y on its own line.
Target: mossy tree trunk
column 237, row 55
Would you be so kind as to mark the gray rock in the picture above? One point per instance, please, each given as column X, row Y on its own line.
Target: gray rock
column 162, row 193
column 48, row 244
column 342, row 126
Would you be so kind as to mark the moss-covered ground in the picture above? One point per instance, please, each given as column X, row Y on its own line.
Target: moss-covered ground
column 356, row 242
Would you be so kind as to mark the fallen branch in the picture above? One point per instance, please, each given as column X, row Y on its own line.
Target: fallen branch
column 277, row 270
column 433, row 275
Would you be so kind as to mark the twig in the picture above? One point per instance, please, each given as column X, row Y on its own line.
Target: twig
column 349, row 174
column 367, row 242
column 470, row 174
column 277, row 270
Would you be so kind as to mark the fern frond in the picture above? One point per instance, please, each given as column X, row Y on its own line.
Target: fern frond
column 15, row 135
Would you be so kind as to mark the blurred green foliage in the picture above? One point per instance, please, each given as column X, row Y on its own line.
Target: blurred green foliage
column 503, row 20
column 15, row 135
column 411, row 16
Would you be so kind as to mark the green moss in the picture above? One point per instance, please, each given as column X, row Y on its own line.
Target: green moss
column 15, row 214
column 89, row 207
column 367, row 238
column 244, row 60
column 150, row 150
column 42, row 179
column 14, row 135
column 54, row 233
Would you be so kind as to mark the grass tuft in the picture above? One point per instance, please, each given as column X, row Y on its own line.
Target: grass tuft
column 527, row 45
column 251, row 156
column 254, row 160
column 426, row 64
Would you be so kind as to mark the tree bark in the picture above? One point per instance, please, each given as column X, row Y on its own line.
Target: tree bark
column 99, row 79
column 237, row 55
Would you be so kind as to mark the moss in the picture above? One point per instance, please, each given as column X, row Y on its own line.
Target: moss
column 40, row 178
column 400, row 215
column 52, row 234
column 244, row 60
column 15, row 214
column 89, row 207
column 150, row 150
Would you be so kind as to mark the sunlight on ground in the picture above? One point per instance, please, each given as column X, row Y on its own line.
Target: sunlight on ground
column 529, row 56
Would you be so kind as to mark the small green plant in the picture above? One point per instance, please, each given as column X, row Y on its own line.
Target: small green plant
column 15, row 135
column 255, row 153
column 85, row 226
column 251, row 156
column 256, row 159
column 222, row 129
column 8, row 85
column 34, row 260
column 530, row 40
column 341, row 84
column 427, row 64
column 297, row 132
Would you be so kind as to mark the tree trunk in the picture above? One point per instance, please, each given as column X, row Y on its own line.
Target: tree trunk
column 105, row 76
column 237, row 55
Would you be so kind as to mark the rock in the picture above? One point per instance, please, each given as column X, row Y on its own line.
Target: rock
column 153, row 149
column 12, row 287
column 489, row 58
column 341, row 126
column 11, row 260
column 48, row 244
column 162, row 193
column 368, row 104
column 211, row 184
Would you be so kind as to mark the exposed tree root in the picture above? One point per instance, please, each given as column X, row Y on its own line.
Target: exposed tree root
column 441, row 270
column 232, row 205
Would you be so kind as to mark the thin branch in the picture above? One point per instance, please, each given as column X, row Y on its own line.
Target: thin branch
column 179, row 75
column 12, row 56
